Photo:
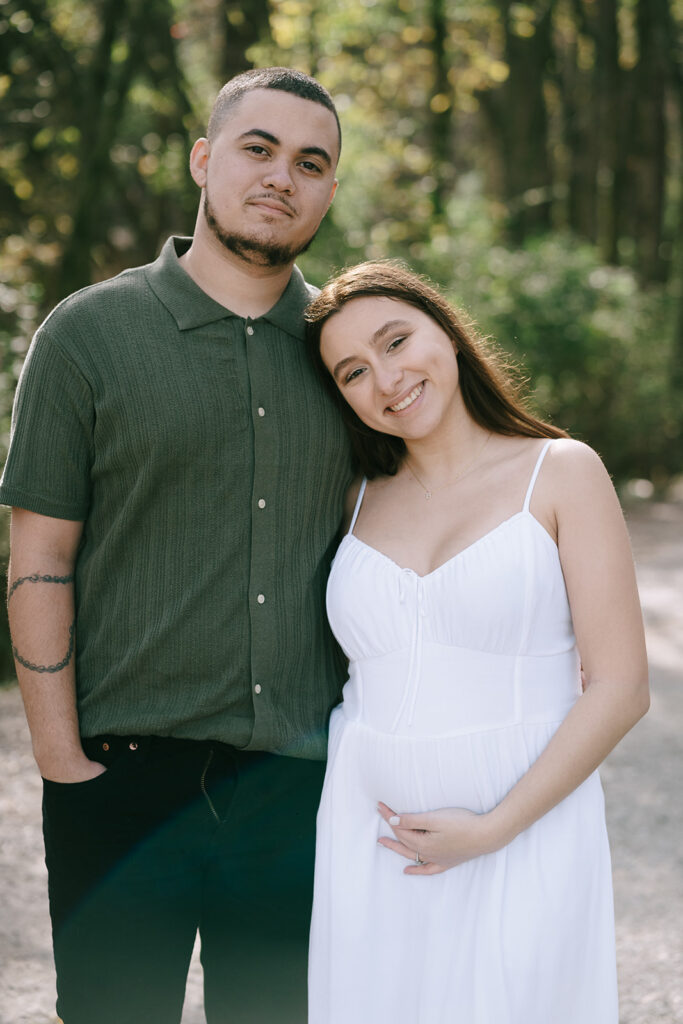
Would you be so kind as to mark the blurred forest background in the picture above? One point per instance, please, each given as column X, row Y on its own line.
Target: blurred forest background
column 527, row 157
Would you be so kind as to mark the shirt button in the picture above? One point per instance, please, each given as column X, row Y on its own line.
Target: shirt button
column 261, row 598
column 250, row 329
column 262, row 503
column 257, row 688
column 132, row 745
column 261, row 411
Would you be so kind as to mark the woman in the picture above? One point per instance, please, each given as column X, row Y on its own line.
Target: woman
column 462, row 869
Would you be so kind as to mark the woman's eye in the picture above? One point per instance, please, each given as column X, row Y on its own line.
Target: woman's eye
column 397, row 341
column 352, row 376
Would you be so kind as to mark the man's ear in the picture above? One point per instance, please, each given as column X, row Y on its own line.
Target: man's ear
column 199, row 159
column 332, row 194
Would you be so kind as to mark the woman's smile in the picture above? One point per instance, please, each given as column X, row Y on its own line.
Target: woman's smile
column 406, row 402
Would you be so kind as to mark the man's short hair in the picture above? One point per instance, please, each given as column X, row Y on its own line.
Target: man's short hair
column 285, row 79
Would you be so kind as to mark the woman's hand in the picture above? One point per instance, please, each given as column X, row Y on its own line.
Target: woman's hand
column 442, row 838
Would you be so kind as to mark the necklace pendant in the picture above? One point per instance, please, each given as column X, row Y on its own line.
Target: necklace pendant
column 428, row 495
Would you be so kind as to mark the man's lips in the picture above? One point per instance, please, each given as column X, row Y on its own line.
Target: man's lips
column 274, row 205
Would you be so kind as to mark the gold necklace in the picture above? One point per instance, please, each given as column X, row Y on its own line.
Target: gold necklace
column 466, row 469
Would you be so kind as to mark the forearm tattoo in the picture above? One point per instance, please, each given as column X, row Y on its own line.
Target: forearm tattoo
column 40, row 578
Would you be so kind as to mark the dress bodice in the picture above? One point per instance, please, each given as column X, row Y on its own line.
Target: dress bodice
column 496, row 612
column 504, row 594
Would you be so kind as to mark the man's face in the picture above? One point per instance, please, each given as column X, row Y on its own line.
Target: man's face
column 268, row 176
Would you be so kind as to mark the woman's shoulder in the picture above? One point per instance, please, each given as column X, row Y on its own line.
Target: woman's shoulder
column 350, row 500
column 557, row 458
column 573, row 471
column 566, row 455
column 358, row 489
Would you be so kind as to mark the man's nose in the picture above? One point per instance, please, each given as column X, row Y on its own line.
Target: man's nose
column 278, row 177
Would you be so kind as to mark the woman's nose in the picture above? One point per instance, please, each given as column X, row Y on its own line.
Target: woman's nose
column 388, row 379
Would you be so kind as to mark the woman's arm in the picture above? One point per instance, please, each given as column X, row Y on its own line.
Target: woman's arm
column 598, row 569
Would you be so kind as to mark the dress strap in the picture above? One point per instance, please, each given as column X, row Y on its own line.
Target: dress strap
column 359, row 502
column 537, row 467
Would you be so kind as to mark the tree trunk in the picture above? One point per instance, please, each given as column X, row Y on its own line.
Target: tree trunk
column 580, row 141
column 441, row 111
column 145, row 27
column 243, row 25
column 611, row 139
column 523, row 126
column 97, row 102
column 648, row 152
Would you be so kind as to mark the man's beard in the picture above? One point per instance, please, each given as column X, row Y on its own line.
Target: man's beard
column 252, row 250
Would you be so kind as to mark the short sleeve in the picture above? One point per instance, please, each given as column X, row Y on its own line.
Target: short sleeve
column 51, row 445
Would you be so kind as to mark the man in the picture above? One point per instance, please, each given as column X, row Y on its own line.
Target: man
column 176, row 474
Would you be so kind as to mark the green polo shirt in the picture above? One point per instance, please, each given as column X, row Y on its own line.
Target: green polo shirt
column 209, row 467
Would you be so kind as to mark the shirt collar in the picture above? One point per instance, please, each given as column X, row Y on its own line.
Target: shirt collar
column 191, row 307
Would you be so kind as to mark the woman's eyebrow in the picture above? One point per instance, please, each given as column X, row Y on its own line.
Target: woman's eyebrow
column 380, row 333
column 341, row 364
column 387, row 328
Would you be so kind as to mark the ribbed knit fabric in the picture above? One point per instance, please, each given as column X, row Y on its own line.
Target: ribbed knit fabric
column 209, row 467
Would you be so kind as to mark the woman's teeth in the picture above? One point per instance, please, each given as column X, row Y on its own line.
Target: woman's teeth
column 408, row 400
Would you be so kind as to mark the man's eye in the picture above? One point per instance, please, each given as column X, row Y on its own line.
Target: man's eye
column 308, row 165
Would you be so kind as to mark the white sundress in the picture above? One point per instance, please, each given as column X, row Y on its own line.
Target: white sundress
column 457, row 681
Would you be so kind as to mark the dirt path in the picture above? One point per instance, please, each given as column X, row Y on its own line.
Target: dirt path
column 642, row 781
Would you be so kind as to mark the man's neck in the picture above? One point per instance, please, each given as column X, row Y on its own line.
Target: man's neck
column 244, row 288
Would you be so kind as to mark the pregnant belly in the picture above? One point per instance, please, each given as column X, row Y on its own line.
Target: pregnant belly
column 473, row 770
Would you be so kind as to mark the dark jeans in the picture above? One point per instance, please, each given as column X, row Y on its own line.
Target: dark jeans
column 175, row 836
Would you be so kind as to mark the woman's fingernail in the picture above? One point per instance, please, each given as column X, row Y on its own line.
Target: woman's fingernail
column 394, row 820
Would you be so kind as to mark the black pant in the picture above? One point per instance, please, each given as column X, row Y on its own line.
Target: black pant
column 175, row 836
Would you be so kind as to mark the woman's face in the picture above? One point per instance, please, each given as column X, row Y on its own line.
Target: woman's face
column 394, row 365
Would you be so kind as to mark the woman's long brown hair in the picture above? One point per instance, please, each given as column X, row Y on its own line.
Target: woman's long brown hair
column 491, row 390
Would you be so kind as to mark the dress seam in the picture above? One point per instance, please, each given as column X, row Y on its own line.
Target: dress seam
column 431, row 737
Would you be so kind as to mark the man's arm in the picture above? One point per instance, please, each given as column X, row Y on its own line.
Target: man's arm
column 40, row 604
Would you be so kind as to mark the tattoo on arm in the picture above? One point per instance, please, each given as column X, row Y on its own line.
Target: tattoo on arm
column 49, row 668
column 39, row 578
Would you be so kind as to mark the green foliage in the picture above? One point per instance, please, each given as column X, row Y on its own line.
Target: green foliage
column 96, row 136
column 596, row 348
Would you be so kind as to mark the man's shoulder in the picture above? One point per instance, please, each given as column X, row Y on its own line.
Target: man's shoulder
column 311, row 290
column 91, row 305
